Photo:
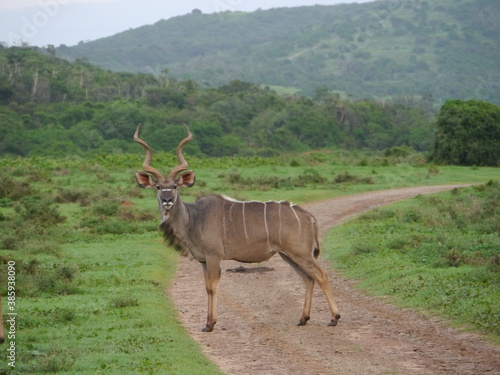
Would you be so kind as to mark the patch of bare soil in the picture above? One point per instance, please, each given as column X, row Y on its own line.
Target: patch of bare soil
column 258, row 310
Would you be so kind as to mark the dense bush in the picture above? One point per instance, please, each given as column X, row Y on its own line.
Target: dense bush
column 468, row 133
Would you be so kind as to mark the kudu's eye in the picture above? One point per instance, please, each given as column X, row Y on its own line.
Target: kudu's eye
column 157, row 188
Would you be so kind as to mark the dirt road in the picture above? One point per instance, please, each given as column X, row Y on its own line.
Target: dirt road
column 256, row 332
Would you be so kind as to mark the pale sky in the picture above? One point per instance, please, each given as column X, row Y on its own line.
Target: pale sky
column 44, row 22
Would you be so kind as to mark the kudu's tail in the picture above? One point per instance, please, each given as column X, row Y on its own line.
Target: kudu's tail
column 316, row 250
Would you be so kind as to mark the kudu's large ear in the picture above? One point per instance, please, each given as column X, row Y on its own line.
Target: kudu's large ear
column 186, row 179
column 144, row 180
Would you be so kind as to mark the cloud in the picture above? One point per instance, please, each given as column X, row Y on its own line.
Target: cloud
column 19, row 4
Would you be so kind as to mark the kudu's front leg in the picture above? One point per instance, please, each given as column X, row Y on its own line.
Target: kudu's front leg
column 212, row 272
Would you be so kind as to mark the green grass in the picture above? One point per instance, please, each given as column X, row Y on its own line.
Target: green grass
column 116, row 321
column 438, row 253
column 92, row 269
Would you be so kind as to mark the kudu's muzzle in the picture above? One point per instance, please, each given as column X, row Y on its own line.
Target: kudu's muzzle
column 167, row 198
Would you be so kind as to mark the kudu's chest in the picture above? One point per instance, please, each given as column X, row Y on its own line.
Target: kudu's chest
column 173, row 237
column 193, row 228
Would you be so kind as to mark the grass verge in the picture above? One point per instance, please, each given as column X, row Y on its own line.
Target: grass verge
column 437, row 253
column 116, row 320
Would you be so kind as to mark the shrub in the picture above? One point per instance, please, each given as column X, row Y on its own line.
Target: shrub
column 113, row 217
column 71, row 195
column 11, row 189
column 51, row 362
column 346, row 177
column 312, row 176
column 35, row 279
column 38, row 211
column 433, row 170
column 397, row 152
column 109, row 208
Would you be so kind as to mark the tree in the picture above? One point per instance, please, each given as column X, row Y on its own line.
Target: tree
column 468, row 133
column 6, row 91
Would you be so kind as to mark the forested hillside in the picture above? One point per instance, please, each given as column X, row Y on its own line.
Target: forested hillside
column 386, row 48
column 49, row 106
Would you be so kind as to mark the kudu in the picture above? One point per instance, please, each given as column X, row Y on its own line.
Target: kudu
column 217, row 228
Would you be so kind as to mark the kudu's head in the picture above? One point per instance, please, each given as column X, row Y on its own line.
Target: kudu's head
column 167, row 188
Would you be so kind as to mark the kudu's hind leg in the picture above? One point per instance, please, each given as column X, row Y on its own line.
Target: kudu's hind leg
column 212, row 274
column 324, row 283
column 311, row 267
column 309, row 282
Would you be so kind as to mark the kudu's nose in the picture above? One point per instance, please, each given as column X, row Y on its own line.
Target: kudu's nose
column 167, row 203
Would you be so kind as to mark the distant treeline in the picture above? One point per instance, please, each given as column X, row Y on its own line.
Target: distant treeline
column 49, row 106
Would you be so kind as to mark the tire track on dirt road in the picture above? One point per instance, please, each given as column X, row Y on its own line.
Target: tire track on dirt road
column 256, row 332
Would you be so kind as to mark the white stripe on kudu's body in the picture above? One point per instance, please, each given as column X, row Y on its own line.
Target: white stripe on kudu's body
column 245, row 224
column 216, row 227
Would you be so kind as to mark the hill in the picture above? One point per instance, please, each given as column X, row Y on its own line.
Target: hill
column 445, row 48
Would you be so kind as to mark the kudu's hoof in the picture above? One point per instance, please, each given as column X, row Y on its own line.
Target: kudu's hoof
column 208, row 329
column 334, row 322
column 303, row 321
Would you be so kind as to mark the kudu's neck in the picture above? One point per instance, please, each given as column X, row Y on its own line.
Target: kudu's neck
column 175, row 226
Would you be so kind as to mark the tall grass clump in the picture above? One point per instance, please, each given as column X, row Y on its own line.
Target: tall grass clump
column 12, row 190
column 438, row 253
column 31, row 226
column 117, row 217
